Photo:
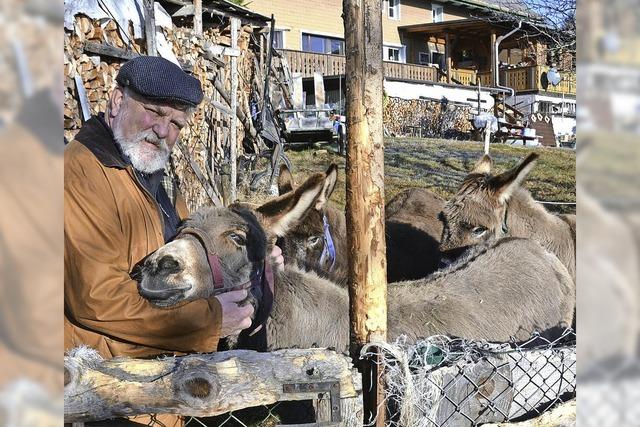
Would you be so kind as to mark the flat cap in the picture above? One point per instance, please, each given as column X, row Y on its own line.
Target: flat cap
column 156, row 78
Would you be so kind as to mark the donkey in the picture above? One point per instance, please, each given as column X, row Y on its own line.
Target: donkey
column 319, row 241
column 492, row 206
column 487, row 295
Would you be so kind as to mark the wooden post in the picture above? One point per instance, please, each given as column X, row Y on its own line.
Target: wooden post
column 197, row 17
column 495, row 77
column 233, row 136
column 150, row 27
column 447, row 55
column 365, row 189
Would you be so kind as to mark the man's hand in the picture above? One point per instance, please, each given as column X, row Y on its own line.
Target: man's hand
column 234, row 317
column 277, row 260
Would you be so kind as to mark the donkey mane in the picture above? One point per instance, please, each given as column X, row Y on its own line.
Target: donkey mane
column 469, row 256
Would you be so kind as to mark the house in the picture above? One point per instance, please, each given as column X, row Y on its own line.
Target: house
column 431, row 49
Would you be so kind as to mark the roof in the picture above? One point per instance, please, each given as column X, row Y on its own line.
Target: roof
column 457, row 26
column 505, row 6
column 222, row 8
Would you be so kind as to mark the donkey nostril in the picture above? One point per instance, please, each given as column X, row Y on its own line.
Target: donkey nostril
column 168, row 264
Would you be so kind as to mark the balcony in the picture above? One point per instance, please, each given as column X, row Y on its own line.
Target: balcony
column 521, row 79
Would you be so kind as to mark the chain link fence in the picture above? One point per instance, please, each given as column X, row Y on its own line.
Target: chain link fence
column 444, row 382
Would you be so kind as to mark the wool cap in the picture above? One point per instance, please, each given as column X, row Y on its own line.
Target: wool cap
column 156, row 78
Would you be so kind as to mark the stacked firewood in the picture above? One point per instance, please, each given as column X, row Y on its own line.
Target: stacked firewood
column 412, row 117
column 98, row 73
column 206, row 138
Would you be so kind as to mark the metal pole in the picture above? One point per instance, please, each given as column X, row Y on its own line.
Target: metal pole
column 233, row 137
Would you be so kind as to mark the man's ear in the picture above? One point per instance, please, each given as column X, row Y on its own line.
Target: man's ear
column 116, row 101
column 329, row 185
column 506, row 183
column 279, row 215
column 285, row 180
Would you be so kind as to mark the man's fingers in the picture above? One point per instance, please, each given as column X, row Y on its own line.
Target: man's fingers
column 246, row 311
column 234, row 296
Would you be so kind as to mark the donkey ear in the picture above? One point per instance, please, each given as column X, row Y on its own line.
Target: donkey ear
column 329, row 185
column 506, row 183
column 279, row 215
column 285, row 180
column 483, row 166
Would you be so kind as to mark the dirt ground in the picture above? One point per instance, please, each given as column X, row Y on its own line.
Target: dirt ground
column 440, row 165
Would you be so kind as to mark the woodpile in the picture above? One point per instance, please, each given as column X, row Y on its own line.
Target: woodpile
column 205, row 139
column 426, row 118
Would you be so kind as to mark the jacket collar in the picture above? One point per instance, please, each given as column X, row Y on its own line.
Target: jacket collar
column 98, row 138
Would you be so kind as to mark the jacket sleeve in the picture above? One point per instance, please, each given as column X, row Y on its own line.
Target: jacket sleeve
column 99, row 293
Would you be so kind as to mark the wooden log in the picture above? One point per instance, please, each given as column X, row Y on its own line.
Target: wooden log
column 150, row 27
column 197, row 17
column 200, row 385
column 365, row 190
column 562, row 415
column 502, row 387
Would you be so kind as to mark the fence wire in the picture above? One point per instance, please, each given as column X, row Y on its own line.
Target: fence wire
column 444, row 382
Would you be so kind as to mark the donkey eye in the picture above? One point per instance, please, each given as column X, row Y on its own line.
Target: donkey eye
column 238, row 239
column 314, row 240
column 479, row 231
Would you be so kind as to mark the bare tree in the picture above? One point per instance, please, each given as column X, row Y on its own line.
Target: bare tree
column 553, row 21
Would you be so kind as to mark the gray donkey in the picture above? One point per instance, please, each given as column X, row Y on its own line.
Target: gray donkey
column 318, row 242
column 489, row 206
column 490, row 294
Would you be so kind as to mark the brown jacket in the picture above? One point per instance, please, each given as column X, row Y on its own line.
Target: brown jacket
column 110, row 224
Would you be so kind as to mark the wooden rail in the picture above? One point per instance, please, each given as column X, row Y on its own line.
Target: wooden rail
column 205, row 384
column 521, row 79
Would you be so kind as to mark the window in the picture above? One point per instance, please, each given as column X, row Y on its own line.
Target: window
column 394, row 9
column 278, row 39
column 322, row 44
column 437, row 12
column 424, row 58
column 437, row 59
column 394, row 54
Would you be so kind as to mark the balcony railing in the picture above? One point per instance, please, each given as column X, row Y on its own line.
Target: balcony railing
column 520, row 79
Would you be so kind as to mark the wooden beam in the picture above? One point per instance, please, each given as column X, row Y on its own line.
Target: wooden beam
column 150, row 27
column 197, row 17
column 365, row 184
column 199, row 385
column 233, row 136
column 116, row 52
column 447, row 56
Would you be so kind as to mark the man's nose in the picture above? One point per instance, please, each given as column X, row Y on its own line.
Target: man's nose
column 162, row 127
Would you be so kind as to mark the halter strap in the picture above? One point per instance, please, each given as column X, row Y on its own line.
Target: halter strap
column 329, row 250
column 207, row 244
column 505, row 227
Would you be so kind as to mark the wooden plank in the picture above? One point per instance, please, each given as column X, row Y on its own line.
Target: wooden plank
column 197, row 385
column 233, row 137
column 197, row 17
column 150, row 27
column 116, row 52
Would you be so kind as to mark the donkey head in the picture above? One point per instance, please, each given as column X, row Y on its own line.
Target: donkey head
column 478, row 210
column 220, row 249
column 310, row 243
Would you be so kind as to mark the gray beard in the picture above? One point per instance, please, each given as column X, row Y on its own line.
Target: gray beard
column 144, row 158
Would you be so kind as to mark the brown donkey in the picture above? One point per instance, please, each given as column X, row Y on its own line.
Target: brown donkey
column 487, row 295
column 319, row 241
column 492, row 206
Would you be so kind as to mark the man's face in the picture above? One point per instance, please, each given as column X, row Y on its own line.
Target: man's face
column 145, row 130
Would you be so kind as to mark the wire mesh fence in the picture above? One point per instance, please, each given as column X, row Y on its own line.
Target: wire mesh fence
column 444, row 382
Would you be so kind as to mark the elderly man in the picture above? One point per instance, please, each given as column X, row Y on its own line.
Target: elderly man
column 117, row 211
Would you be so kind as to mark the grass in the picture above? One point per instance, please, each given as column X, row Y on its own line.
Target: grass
column 440, row 165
